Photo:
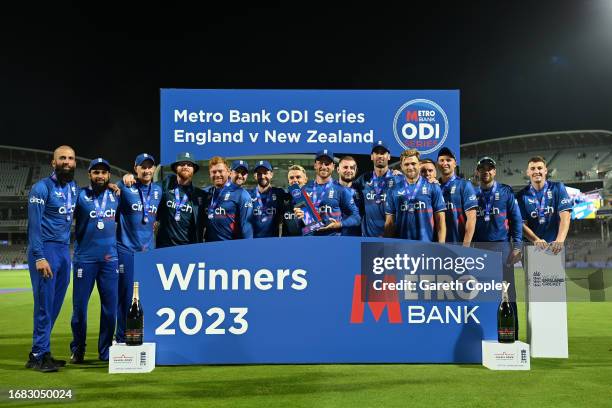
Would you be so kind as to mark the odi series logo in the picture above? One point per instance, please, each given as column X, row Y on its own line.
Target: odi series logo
column 420, row 124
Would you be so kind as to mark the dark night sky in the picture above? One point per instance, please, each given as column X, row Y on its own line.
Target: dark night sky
column 520, row 69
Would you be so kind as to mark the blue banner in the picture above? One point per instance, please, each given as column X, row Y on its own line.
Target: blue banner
column 319, row 300
column 234, row 123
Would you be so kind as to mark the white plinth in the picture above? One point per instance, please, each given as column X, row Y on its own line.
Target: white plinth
column 546, row 304
column 505, row 356
column 131, row 359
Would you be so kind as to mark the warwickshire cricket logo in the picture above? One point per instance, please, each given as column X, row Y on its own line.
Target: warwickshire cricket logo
column 420, row 124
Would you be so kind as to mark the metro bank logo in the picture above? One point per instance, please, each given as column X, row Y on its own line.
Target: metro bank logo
column 420, row 124
column 377, row 301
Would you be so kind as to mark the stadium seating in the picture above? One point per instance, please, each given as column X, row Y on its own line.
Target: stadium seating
column 569, row 162
column 13, row 254
column 14, row 179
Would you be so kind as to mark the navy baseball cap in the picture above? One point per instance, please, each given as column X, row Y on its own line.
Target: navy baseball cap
column 325, row 153
column 445, row 151
column 185, row 157
column 263, row 163
column 380, row 143
column 236, row 164
column 97, row 161
column 486, row 161
column 142, row 157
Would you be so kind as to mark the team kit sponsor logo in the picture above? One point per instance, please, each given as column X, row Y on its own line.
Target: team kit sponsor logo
column 418, row 205
column 37, row 200
column 184, row 208
column 138, row 207
column 110, row 213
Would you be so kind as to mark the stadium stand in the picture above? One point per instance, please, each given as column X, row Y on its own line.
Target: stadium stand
column 574, row 156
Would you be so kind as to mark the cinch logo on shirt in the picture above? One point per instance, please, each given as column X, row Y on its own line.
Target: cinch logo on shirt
column 548, row 210
column 325, row 209
column 36, row 200
column 140, row 207
column 372, row 196
column 62, row 210
column 269, row 211
column 566, row 201
column 481, row 213
column 450, row 205
column 107, row 214
column 220, row 211
column 186, row 208
column 289, row 216
column 419, row 205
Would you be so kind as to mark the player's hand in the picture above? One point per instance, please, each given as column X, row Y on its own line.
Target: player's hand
column 114, row 188
column 541, row 244
column 299, row 213
column 333, row 224
column 129, row 180
column 514, row 256
column 155, row 227
column 434, row 181
column 43, row 267
column 396, row 172
column 556, row 247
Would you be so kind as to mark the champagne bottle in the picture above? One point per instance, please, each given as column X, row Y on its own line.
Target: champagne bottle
column 505, row 320
column 135, row 324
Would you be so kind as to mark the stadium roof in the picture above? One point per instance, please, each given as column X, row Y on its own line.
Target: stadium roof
column 37, row 155
column 547, row 140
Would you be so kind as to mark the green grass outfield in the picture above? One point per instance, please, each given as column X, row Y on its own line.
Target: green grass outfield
column 585, row 379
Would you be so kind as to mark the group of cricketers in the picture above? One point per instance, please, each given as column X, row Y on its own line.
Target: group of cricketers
column 114, row 221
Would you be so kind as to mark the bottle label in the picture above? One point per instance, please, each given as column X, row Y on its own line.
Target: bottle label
column 133, row 336
column 505, row 333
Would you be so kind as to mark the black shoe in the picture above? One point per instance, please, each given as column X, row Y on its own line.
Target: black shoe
column 77, row 357
column 44, row 365
column 58, row 363
column 31, row 361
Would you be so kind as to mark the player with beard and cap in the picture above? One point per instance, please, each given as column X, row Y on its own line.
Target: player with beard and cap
column 50, row 212
column 428, row 170
column 95, row 261
column 267, row 202
column 138, row 206
column 372, row 189
column 239, row 172
column 414, row 206
column 229, row 206
column 334, row 203
column 460, row 199
column 498, row 218
column 347, row 171
column 181, row 213
column 291, row 226
column 499, row 224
